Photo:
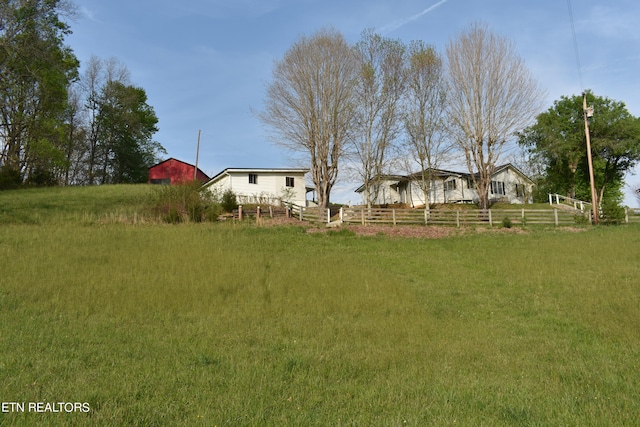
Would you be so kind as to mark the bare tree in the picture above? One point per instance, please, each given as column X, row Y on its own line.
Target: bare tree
column 309, row 104
column 377, row 124
column 491, row 95
column 426, row 140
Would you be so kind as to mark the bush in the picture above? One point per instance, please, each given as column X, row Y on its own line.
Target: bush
column 612, row 212
column 186, row 202
column 506, row 222
column 229, row 201
column 9, row 178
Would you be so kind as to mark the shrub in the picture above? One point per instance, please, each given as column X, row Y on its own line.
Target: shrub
column 9, row 178
column 229, row 201
column 611, row 212
column 582, row 219
column 184, row 203
column 506, row 222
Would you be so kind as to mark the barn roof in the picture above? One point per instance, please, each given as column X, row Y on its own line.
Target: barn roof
column 179, row 161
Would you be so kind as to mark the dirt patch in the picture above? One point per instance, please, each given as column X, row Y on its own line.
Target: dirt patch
column 402, row 231
column 429, row 232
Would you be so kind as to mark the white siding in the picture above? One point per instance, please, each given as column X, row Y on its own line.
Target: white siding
column 510, row 179
column 270, row 186
column 220, row 186
column 442, row 191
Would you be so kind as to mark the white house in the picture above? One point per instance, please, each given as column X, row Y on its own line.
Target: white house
column 265, row 186
column 508, row 184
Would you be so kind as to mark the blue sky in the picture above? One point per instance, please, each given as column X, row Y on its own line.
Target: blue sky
column 205, row 63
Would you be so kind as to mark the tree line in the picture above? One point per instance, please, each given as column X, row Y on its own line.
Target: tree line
column 382, row 105
column 58, row 126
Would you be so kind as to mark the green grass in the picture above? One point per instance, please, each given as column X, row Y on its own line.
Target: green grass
column 235, row 324
column 74, row 204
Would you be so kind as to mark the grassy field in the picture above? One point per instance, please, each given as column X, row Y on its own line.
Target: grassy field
column 239, row 324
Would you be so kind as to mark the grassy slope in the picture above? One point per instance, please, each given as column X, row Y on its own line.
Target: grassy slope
column 222, row 324
column 72, row 204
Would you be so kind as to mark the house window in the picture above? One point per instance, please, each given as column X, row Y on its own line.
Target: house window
column 450, row 185
column 289, row 181
column 470, row 183
column 519, row 190
column 253, row 178
column 497, row 187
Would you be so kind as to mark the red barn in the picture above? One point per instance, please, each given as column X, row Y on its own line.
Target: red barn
column 174, row 171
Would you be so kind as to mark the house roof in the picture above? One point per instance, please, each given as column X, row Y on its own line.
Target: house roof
column 228, row 171
column 443, row 173
column 384, row 178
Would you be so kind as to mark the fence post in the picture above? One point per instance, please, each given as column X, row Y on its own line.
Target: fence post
column 362, row 216
column 270, row 211
column 555, row 215
column 328, row 215
column 301, row 213
column 458, row 219
column 426, row 216
column 490, row 219
column 341, row 214
column 626, row 215
column 258, row 212
column 393, row 214
column 239, row 212
column 550, row 199
column 523, row 218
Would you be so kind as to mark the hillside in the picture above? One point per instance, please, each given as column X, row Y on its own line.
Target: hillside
column 73, row 204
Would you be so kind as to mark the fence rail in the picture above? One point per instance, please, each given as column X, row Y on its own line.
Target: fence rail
column 311, row 214
column 260, row 212
column 445, row 217
column 459, row 218
column 632, row 215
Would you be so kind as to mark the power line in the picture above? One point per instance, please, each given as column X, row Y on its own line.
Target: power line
column 575, row 44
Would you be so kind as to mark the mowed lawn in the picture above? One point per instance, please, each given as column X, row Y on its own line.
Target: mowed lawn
column 238, row 324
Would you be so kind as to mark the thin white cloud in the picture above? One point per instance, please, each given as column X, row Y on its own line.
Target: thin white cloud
column 89, row 14
column 404, row 21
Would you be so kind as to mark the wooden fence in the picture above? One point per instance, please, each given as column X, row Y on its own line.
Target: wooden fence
column 260, row 212
column 459, row 218
column 311, row 214
column 445, row 217
column 632, row 215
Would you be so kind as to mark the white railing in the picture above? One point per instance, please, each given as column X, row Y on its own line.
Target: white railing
column 568, row 201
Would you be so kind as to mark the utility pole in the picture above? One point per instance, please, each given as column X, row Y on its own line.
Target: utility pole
column 588, row 113
column 195, row 172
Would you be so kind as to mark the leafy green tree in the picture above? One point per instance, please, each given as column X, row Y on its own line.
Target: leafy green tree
column 557, row 139
column 35, row 72
column 92, row 86
column 127, row 126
